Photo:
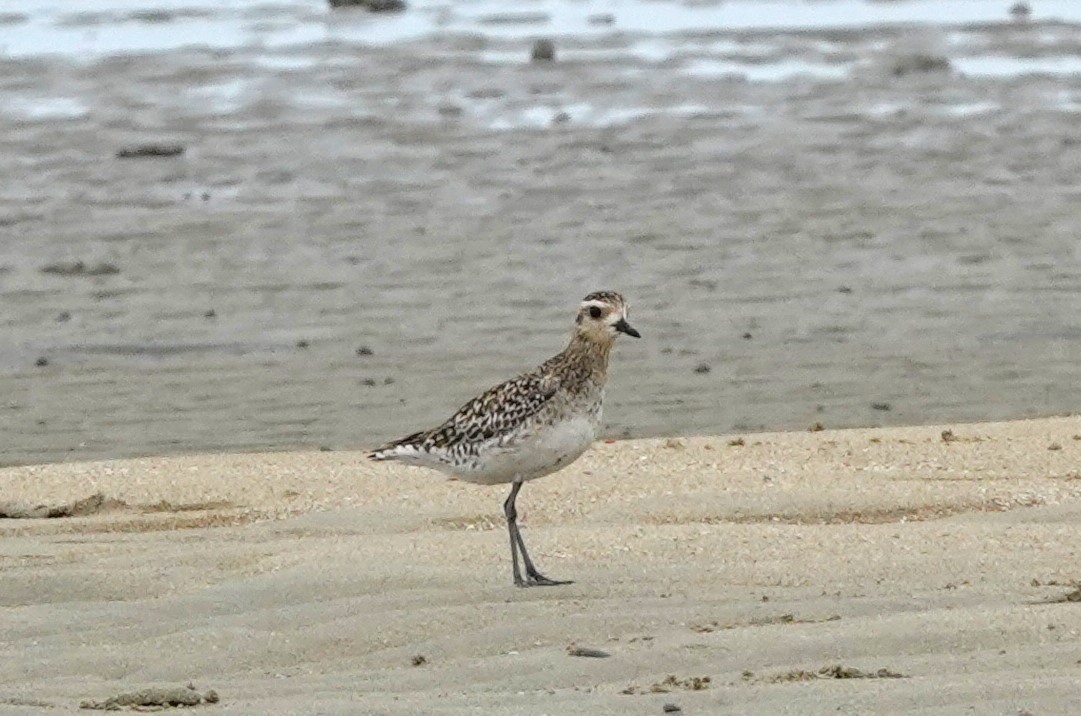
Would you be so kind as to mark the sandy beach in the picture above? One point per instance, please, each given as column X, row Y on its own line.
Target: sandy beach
column 735, row 574
column 242, row 242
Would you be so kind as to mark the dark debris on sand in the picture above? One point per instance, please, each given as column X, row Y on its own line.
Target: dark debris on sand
column 835, row 671
column 153, row 698
column 671, row 683
column 78, row 508
column 80, row 268
column 152, row 150
column 371, row 5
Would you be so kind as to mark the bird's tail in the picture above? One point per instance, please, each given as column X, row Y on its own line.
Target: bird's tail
column 397, row 449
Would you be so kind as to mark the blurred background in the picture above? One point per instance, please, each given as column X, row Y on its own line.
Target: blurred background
column 250, row 225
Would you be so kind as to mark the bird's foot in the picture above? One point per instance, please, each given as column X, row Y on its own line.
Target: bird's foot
column 536, row 579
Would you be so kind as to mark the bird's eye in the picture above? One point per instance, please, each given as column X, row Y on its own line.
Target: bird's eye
column 594, row 312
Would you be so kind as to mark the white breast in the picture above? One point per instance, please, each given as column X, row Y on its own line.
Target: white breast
column 537, row 453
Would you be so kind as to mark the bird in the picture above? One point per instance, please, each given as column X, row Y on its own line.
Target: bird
column 529, row 426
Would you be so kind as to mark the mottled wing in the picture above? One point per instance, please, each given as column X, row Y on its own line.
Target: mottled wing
column 497, row 412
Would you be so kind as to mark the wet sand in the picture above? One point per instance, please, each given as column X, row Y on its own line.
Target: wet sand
column 813, row 225
column 731, row 574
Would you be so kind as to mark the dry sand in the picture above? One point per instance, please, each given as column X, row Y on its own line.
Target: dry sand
column 310, row 582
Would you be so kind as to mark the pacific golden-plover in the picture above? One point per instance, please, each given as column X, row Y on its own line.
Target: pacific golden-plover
column 530, row 426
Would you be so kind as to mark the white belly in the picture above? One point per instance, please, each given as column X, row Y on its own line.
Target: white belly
column 533, row 455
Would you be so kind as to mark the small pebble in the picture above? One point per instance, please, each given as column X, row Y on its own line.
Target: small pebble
column 41, row 362
column 450, row 110
column 364, row 351
column 671, row 708
column 543, row 51
column 419, row 660
column 587, row 652
column 919, row 64
column 1020, row 10
column 702, row 368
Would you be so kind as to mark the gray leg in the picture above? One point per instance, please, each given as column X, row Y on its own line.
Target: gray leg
column 512, row 527
column 533, row 577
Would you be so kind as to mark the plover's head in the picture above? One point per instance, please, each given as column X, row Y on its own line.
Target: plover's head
column 602, row 316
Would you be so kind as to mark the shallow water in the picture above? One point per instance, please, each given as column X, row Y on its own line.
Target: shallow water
column 101, row 27
column 806, row 234
column 108, row 27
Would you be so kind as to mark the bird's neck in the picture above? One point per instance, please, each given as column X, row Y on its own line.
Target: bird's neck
column 587, row 357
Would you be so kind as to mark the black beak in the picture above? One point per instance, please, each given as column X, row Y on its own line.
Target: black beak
column 624, row 327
